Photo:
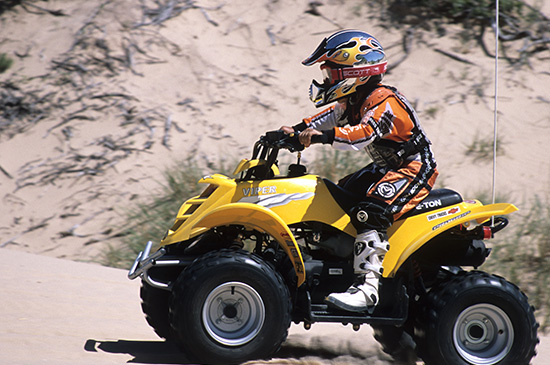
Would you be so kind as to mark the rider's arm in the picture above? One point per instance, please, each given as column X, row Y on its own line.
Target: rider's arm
column 387, row 119
column 325, row 120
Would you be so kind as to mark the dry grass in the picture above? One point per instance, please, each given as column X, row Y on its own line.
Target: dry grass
column 521, row 253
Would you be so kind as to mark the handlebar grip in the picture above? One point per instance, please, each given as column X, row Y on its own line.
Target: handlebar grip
column 319, row 139
column 274, row 136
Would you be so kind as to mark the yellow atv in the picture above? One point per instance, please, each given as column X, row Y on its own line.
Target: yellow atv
column 252, row 254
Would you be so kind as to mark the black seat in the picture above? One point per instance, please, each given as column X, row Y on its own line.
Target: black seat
column 438, row 198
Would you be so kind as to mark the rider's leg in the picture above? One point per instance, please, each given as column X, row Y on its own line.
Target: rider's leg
column 390, row 195
column 369, row 252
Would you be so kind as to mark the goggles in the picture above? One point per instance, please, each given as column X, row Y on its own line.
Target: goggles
column 332, row 75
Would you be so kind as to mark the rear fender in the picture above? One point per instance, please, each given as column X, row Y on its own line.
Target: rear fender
column 408, row 235
column 256, row 217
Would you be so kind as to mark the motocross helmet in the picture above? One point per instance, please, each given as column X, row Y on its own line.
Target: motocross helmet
column 348, row 60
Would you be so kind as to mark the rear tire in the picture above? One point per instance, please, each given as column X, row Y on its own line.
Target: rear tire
column 396, row 342
column 229, row 307
column 476, row 318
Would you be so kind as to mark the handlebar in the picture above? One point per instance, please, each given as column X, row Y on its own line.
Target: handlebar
column 267, row 149
column 316, row 139
column 291, row 142
column 280, row 139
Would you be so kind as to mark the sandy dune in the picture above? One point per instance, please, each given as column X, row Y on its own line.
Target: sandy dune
column 61, row 312
column 204, row 83
column 64, row 312
column 120, row 103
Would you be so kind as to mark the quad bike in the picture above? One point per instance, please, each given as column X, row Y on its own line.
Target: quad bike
column 250, row 255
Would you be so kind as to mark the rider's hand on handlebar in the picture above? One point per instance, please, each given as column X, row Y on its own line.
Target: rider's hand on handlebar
column 305, row 136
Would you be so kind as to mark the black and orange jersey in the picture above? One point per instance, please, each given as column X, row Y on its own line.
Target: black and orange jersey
column 384, row 119
column 383, row 123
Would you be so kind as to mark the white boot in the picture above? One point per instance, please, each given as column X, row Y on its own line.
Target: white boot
column 369, row 253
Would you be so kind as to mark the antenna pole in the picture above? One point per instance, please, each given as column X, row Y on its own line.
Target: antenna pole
column 495, row 122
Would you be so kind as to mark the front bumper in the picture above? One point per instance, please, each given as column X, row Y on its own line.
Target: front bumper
column 144, row 262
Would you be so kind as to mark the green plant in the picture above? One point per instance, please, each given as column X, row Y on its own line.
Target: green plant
column 522, row 254
column 149, row 220
column 5, row 62
column 8, row 4
column 483, row 148
column 468, row 11
column 519, row 22
column 431, row 111
column 486, row 197
column 334, row 164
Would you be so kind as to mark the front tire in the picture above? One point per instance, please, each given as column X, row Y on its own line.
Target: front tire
column 229, row 307
column 476, row 318
column 154, row 304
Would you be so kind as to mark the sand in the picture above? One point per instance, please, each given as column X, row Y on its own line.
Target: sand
column 57, row 311
column 205, row 83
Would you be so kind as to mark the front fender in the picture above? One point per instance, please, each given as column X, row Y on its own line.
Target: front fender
column 256, row 217
column 408, row 235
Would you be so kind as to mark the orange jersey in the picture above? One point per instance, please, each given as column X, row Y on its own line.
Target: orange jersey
column 385, row 124
column 383, row 115
column 383, row 118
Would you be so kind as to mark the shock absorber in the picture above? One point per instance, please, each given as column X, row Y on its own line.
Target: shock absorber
column 417, row 274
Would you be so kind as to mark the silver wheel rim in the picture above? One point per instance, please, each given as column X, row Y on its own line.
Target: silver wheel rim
column 233, row 313
column 483, row 334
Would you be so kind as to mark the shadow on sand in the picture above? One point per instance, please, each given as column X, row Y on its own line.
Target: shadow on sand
column 161, row 352
column 144, row 352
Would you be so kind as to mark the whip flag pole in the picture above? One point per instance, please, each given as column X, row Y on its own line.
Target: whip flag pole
column 495, row 121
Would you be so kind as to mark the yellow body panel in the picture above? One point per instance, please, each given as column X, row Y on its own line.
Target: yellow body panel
column 268, row 206
column 195, row 208
column 408, row 235
column 253, row 216
column 298, row 199
column 272, row 205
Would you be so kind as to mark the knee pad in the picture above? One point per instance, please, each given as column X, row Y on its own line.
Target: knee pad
column 371, row 215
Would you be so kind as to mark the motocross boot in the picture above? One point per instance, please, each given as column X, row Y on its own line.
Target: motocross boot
column 369, row 251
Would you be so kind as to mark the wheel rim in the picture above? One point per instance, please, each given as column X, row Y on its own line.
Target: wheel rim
column 233, row 313
column 483, row 334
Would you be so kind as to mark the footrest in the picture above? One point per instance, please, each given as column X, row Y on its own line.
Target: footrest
column 396, row 314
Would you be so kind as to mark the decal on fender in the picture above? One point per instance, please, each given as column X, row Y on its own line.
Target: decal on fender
column 259, row 190
column 451, row 220
column 274, row 200
column 444, row 213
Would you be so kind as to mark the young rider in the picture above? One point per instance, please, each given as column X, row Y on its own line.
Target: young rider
column 367, row 114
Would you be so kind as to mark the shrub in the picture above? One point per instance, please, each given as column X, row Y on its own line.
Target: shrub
column 5, row 62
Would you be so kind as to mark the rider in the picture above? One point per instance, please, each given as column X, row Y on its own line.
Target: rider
column 370, row 115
